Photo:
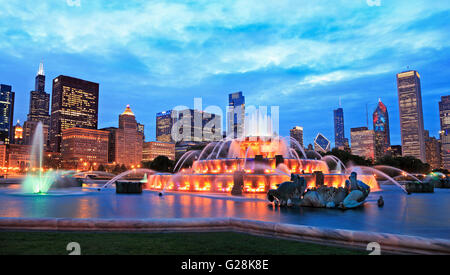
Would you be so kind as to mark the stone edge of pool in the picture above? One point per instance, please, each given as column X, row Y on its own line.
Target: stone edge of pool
column 389, row 242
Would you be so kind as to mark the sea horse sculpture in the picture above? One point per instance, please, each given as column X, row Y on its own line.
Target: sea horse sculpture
column 289, row 192
column 293, row 193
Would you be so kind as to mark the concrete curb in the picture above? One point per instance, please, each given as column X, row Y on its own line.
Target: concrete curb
column 389, row 242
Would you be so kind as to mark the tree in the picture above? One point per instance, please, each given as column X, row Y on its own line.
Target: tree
column 146, row 164
column 101, row 168
column 408, row 164
column 348, row 158
column 162, row 164
column 123, row 168
column 443, row 171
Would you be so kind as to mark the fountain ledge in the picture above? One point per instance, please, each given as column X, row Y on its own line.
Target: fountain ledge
column 390, row 243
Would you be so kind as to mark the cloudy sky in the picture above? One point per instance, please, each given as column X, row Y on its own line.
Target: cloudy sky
column 300, row 55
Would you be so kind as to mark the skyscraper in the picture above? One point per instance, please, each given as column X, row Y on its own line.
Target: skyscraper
column 39, row 108
column 433, row 151
column 39, row 100
column 74, row 104
column 128, row 140
column 363, row 142
column 339, row 134
column 321, row 144
column 7, row 113
column 411, row 114
column 444, row 113
column 164, row 124
column 236, row 115
column 200, row 126
column 297, row 134
column 381, row 128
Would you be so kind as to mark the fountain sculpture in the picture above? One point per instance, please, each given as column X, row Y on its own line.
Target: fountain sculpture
column 38, row 182
column 263, row 162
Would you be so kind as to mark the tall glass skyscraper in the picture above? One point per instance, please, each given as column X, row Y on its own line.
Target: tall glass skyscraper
column 444, row 113
column 339, row 132
column 164, row 124
column 7, row 113
column 236, row 115
column 411, row 114
column 381, row 128
column 74, row 104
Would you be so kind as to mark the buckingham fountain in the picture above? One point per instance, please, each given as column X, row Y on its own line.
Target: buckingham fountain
column 250, row 165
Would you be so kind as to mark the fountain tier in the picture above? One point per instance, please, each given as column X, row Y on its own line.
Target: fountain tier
column 265, row 162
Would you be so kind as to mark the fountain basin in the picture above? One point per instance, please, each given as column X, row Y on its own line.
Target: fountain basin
column 253, row 183
column 129, row 187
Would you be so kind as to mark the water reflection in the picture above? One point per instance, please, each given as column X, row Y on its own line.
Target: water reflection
column 418, row 214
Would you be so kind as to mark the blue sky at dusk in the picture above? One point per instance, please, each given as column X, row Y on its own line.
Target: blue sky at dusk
column 300, row 55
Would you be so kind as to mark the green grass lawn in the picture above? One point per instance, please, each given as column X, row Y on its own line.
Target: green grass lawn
column 226, row 243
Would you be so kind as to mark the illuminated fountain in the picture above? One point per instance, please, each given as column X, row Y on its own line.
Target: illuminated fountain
column 264, row 162
column 36, row 181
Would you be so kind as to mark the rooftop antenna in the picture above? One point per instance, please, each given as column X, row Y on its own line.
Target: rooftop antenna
column 340, row 103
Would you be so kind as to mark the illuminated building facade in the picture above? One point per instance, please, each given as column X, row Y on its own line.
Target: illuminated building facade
column 363, row 142
column 18, row 133
column 74, row 104
column 152, row 150
column 7, row 114
column 321, row 144
column 126, row 141
column 164, row 124
column 84, row 149
column 433, row 151
column 297, row 134
column 15, row 157
column 339, row 134
column 236, row 115
column 444, row 113
column 3, row 161
column 411, row 114
column 381, row 129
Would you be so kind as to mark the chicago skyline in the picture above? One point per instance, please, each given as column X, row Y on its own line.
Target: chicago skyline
column 302, row 71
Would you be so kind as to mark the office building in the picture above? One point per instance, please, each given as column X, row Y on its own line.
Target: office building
column 16, row 157
column 164, row 124
column 433, row 151
column 322, row 144
column 189, row 126
column 363, row 142
column 444, row 113
column 7, row 114
column 411, row 114
column 128, row 140
column 339, row 134
column 74, row 104
column 84, row 149
column 18, row 133
column 381, row 129
column 236, row 115
column 152, row 150
column 296, row 133
column 39, row 100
